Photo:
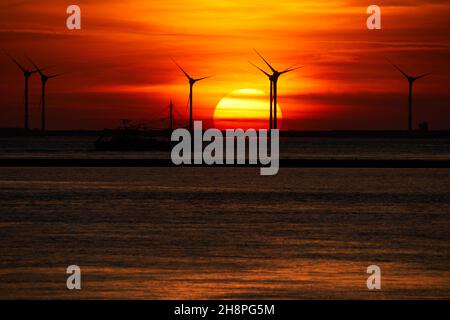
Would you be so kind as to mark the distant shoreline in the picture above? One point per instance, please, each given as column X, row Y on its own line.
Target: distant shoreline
column 438, row 134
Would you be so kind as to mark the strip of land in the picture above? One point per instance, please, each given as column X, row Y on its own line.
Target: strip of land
column 293, row 163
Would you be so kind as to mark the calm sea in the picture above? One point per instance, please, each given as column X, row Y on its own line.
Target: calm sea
column 316, row 148
column 191, row 233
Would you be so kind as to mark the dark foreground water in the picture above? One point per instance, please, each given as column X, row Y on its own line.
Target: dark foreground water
column 191, row 233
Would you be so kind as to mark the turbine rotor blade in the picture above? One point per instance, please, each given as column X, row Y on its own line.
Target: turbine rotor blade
column 36, row 67
column 403, row 72
column 200, row 79
column 291, row 69
column 259, row 69
column 15, row 62
column 42, row 69
column 271, row 68
column 400, row 70
column 293, row 66
column 185, row 73
column 55, row 75
column 422, row 76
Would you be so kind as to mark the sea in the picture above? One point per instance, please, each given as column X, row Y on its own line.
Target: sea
column 225, row 233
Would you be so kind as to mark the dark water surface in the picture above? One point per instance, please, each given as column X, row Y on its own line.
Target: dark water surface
column 290, row 147
column 193, row 233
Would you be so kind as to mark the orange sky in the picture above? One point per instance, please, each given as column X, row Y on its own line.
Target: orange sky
column 119, row 63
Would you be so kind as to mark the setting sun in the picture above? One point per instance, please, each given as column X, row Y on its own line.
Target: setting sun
column 244, row 108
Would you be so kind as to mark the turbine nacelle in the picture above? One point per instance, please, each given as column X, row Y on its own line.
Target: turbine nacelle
column 275, row 73
column 44, row 77
column 422, row 76
column 410, row 78
column 192, row 81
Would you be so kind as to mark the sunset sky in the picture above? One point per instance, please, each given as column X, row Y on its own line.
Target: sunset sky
column 119, row 63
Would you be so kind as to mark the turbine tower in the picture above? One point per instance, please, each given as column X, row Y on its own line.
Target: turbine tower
column 274, row 87
column 271, row 93
column 44, row 79
column 26, row 74
column 171, row 114
column 411, row 81
column 192, row 81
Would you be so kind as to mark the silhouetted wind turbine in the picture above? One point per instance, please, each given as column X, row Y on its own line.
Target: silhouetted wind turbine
column 192, row 81
column 274, row 87
column 271, row 93
column 26, row 74
column 411, row 80
column 44, row 79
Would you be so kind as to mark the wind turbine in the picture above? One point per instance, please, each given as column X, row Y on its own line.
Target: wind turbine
column 274, row 85
column 192, row 81
column 26, row 74
column 411, row 81
column 44, row 79
column 271, row 93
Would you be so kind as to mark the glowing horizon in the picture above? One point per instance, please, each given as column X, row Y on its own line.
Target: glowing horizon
column 244, row 108
column 119, row 63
